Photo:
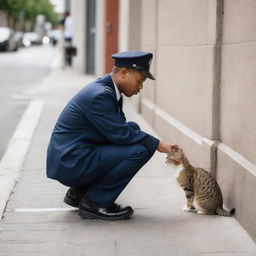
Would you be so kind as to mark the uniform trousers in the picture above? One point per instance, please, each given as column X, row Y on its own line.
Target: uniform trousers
column 120, row 165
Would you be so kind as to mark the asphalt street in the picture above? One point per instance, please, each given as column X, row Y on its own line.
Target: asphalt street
column 21, row 74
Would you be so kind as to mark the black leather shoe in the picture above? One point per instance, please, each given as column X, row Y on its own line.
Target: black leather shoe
column 73, row 197
column 92, row 210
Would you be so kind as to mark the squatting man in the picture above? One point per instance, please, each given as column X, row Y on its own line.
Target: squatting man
column 93, row 150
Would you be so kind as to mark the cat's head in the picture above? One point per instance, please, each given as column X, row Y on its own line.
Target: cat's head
column 175, row 157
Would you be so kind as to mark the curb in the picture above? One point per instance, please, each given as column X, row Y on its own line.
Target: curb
column 13, row 158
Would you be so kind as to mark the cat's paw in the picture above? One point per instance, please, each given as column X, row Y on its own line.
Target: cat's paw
column 187, row 209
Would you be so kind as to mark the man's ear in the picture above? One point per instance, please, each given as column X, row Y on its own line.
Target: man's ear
column 123, row 72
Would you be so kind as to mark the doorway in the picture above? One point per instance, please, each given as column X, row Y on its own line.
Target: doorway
column 111, row 32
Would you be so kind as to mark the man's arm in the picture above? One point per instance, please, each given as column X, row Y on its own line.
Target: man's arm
column 101, row 112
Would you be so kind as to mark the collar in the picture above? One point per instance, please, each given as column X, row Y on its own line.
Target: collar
column 118, row 94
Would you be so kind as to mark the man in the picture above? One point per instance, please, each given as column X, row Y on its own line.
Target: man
column 93, row 150
column 67, row 27
column 69, row 49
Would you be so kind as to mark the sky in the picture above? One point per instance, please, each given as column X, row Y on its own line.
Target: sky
column 59, row 5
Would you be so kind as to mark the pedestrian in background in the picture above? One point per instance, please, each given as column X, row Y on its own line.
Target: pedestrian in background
column 67, row 28
column 93, row 150
column 69, row 50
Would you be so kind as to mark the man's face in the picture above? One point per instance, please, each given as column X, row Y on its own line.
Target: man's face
column 132, row 82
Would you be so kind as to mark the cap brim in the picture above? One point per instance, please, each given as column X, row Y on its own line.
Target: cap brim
column 147, row 74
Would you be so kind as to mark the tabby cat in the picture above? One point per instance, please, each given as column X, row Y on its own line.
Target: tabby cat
column 202, row 191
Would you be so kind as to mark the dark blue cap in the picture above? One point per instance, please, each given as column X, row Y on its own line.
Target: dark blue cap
column 137, row 60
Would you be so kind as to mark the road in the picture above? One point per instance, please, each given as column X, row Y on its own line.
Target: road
column 20, row 73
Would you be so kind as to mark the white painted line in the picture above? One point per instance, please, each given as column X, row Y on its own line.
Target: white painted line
column 43, row 210
column 20, row 97
column 57, row 61
column 13, row 159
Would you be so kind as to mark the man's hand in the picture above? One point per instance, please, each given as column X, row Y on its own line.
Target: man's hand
column 165, row 147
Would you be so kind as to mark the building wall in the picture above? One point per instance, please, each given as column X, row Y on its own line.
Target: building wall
column 204, row 94
column 124, row 25
column 238, row 78
column 78, row 11
column 237, row 151
column 129, row 25
column 100, row 38
column 129, row 31
column 183, row 65
column 149, row 37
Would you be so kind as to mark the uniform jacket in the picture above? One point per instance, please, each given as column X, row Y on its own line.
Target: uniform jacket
column 90, row 119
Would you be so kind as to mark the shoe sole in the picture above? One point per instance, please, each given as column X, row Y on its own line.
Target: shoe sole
column 89, row 215
column 70, row 202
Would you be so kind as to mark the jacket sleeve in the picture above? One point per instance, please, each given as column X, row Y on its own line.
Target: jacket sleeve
column 102, row 113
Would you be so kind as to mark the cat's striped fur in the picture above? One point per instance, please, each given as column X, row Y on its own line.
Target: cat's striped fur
column 202, row 192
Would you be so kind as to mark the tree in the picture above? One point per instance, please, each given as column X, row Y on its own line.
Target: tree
column 28, row 10
column 12, row 8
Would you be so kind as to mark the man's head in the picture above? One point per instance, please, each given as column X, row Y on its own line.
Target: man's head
column 140, row 61
column 130, row 71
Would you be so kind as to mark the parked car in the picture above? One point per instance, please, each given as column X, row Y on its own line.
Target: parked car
column 33, row 38
column 19, row 39
column 7, row 40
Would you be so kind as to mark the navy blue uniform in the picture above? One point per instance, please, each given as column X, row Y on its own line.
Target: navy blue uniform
column 92, row 144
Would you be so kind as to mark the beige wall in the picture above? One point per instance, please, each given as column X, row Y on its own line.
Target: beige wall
column 78, row 11
column 238, row 88
column 204, row 97
column 149, row 43
column 237, row 153
column 184, row 63
column 181, row 97
column 129, row 31
column 99, row 38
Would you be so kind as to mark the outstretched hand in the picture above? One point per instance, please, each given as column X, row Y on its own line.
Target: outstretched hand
column 165, row 147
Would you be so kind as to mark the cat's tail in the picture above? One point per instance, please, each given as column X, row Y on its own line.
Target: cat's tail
column 222, row 212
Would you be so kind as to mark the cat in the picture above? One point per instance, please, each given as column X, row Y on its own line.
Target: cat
column 202, row 192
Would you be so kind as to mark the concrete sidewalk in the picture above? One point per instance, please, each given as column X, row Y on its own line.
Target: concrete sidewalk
column 37, row 222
